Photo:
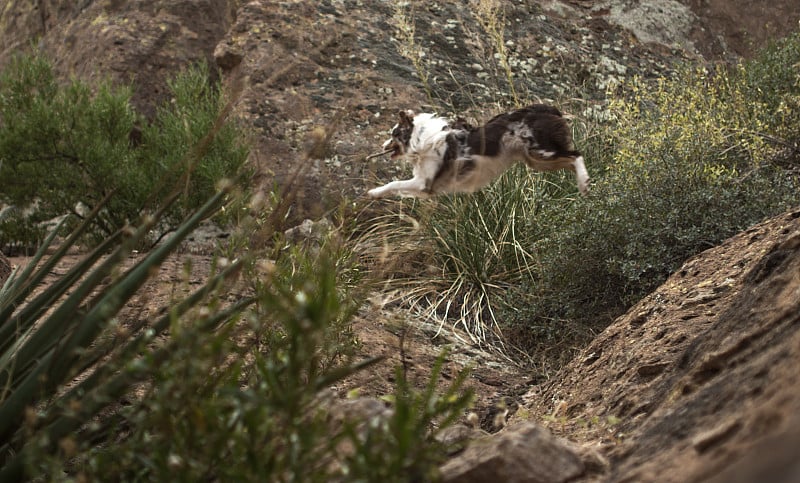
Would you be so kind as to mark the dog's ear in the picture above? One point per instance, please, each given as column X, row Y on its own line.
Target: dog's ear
column 407, row 117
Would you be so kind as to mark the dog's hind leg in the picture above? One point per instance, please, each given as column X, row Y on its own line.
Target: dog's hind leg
column 581, row 174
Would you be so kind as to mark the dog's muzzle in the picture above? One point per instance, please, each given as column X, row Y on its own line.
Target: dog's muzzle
column 392, row 146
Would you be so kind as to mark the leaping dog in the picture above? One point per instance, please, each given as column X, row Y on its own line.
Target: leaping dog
column 454, row 157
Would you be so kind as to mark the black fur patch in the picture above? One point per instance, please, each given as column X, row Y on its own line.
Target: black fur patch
column 548, row 127
column 456, row 161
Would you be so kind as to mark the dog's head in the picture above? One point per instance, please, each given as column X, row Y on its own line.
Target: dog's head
column 400, row 134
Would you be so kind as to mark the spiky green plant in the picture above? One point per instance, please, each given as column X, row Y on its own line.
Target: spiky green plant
column 238, row 401
column 53, row 337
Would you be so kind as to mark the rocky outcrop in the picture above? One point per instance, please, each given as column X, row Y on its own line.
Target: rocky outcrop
column 141, row 43
column 526, row 453
column 697, row 374
column 697, row 382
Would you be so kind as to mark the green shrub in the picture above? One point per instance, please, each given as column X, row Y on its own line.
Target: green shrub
column 481, row 248
column 772, row 79
column 63, row 148
column 693, row 163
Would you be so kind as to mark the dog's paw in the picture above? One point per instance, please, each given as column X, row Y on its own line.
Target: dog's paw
column 374, row 193
column 584, row 187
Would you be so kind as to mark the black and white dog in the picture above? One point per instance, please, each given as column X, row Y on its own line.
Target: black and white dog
column 454, row 157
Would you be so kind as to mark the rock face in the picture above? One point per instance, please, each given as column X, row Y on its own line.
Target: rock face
column 143, row 43
column 697, row 374
column 336, row 64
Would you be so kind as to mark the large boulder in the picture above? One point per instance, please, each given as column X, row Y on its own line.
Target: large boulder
column 527, row 453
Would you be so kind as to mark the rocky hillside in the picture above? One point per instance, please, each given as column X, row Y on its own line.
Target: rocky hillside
column 308, row 63
column 698, row 379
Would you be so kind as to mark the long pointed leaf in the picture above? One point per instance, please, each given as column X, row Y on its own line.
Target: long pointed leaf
column 21, row 286
column 118, row 385
column 134, row 346
column 115, row 297
column 28, row 280
column 32, row 311
column 66, row 314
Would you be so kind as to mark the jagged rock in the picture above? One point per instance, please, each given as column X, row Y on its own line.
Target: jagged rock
column 146, row 42
column 455, row 438
column 527, row 453
column 227, row 56
column 362, row 409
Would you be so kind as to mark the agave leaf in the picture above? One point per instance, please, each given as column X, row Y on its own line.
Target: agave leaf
column 112, row 389
column 103, row 395
column 113, row 298
column 19, row 287
column 46, row 370
column 30, row 277
column 35, row 356
column 134, row 346
column 63, row 318
column 33, row 310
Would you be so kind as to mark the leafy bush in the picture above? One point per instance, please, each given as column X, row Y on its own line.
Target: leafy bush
column 772, row 81
column 63, row 148
column 692, row 165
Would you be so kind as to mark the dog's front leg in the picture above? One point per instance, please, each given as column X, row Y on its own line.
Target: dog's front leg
column 408, row 187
